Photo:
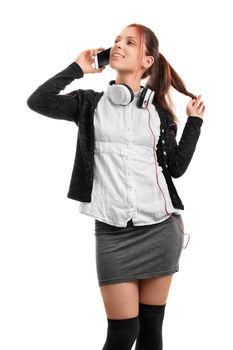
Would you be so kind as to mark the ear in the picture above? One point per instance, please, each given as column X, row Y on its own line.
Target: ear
column 148, row 61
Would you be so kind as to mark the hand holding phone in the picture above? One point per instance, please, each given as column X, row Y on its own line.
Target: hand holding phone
column 85, row 61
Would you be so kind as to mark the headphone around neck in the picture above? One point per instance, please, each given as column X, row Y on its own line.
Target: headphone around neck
column 122, row 94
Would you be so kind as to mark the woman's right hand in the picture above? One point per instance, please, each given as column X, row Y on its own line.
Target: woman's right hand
column 85, row 61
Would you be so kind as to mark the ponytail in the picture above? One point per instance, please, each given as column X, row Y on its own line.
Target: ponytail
column 162, row 77
column 161, row 74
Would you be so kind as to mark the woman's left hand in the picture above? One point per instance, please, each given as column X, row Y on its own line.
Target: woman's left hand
column 195, row 108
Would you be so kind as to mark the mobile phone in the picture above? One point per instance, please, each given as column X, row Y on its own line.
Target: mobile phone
column 102, row 58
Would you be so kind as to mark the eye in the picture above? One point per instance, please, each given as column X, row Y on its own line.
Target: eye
column 130, row 42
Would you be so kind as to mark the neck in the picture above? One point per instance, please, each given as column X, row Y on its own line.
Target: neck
column 129, row 80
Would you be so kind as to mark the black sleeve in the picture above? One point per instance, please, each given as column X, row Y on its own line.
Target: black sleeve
column 47, row 101
column 180, row 155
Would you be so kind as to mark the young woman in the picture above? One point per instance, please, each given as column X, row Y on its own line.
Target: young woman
column 125, row 159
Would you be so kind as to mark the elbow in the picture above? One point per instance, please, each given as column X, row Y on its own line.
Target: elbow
column 177, row 170
column 176, row 173
column 32, row 102
column 37, row 103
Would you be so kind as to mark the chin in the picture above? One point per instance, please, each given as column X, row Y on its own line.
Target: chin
column 114, row 66
column 117, row 66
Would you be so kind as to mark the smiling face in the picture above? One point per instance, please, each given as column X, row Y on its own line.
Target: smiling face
column 127, row 44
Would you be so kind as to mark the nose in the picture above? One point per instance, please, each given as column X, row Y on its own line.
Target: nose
column 119, row 44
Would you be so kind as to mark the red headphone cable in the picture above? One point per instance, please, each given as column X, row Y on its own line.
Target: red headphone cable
column 154, row 152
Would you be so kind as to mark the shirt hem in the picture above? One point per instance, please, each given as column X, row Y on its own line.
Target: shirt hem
column 96, row 217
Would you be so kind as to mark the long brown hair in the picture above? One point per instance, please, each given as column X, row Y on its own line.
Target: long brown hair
column 161, row 74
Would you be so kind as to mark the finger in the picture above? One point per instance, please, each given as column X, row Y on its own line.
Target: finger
column 99, row 49
column 101, row 69
column 192, row 102
column 200, row 105
column 201, row 111
column 89, row 53
column 197, row 100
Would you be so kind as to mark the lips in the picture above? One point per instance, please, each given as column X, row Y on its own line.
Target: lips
column 117, row 53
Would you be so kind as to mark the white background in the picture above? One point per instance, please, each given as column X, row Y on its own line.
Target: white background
column 49, row 294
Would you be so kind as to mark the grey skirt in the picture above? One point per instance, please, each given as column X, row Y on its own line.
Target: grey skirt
column 137, row 252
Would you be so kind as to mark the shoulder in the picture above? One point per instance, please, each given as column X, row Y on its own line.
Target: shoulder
column 86, row 97
column 167, row 119
column 166, row 115
column 86, row 93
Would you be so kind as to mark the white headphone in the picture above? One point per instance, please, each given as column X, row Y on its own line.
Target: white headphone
column 122, row 94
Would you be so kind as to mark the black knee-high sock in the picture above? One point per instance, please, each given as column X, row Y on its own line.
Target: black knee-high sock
column 121, row 333
column 151, row 320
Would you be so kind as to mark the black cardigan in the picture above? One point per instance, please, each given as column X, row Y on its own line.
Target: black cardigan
column 79, row 106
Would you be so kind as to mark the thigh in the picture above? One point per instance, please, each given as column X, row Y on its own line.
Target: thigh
column 154, row 290
column 120, row 299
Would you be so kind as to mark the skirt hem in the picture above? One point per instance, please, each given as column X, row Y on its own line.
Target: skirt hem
column 138, row 277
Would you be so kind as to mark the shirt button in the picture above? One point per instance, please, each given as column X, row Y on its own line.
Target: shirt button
column 166, row 165
column 162, row 130
column 163, row 141
column 164, row 152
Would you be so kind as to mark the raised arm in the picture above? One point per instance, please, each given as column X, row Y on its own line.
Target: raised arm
column 180, row 155
column 46, row 99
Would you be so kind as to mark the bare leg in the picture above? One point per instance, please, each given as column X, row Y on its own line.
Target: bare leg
column 120, row 299
column 121, row 304
column 155, row 290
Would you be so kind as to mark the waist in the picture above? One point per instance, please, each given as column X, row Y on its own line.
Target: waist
column 123, row 149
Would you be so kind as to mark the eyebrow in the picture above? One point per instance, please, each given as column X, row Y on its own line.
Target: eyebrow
column 126, row 37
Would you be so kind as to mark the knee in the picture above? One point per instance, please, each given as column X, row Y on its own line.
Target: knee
column 122, row 333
